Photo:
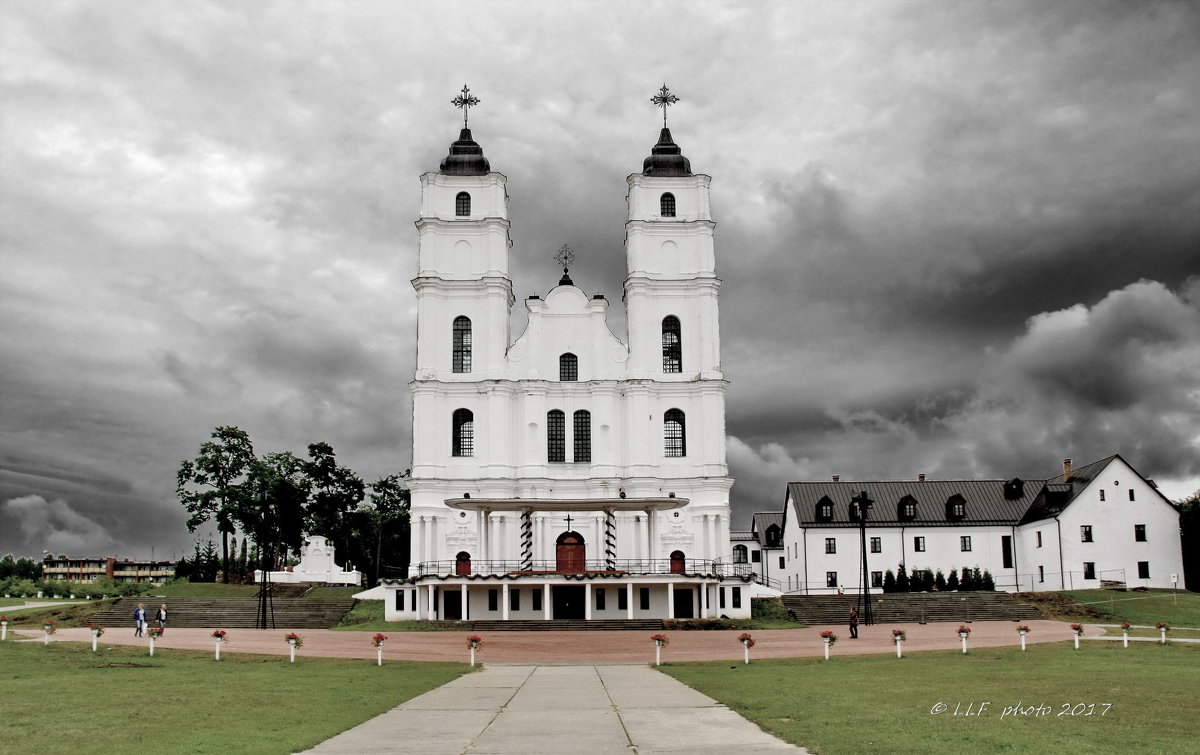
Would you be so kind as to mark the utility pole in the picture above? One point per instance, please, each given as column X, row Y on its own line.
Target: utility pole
column 863, row 505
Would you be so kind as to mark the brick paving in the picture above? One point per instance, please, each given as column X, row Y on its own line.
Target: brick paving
column 588, row 647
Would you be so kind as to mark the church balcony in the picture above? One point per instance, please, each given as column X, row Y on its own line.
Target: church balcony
column 590, row 568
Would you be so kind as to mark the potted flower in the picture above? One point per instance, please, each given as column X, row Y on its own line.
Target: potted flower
column 218, row 636
column 48, row 628
column 294, row 641
column 660, row 640
column 898, row 638
column 1162, row 627
column 474, row 642
column 97, row 630
column 828, row 638
column 378, row 641
column 964, row 632
column 155, row 632
column 747, row 642
column 1078, row 630
column 1022, row 630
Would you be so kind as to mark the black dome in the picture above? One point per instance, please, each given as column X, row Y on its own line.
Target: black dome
column 465, row 158
column 666, row 159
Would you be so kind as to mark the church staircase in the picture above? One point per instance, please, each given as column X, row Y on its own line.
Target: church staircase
column 230, row 613
column 565, row 625
column 912, row 607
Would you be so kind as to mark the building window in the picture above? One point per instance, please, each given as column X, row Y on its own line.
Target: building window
column 877, row 545
column 462, row 204
column 400, row 600
column 906, row 509
column 721, row 597
column 774, row 536
column 568, row 368
column 672, row 344
column 514, row 600
column 675, row 444
column 537, row 600
column 824, row 510
column 831, row 545
column 735, row 597
column 919, row 544
column 1089, row 569
column 964, row 543
column 876, row 579
column 666, row 205
column 463, row 433
column 1039, row 538
column 1041, row 574
column 583, row 436
column 956, row 507
column 831, row 579
column 1143, row 570
column 493, row 600
column 599, row 598
column 740, row 553
column 1102, row 495
column 781, row 562
column 644, row 598
column 1085, row 533
column 556, row 436
column 1139, row 533
column 1131, row 496
column 461, row 361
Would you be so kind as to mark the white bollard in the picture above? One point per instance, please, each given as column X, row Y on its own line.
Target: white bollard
column 94, row 636
column 3, row 631
column 151, row 645
column 898, row 644
column 1125, row 639
column 827, row 649
column 745, row 653
column 472, row 655
column 964, row 641
column 217, row 651
column 1076, row 640
column 1163, row 634
column 292, row 648
column 1022, row 641
column 657, row 654
column 379, row 655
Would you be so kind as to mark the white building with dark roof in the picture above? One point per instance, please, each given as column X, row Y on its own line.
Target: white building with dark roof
column 1092, row 526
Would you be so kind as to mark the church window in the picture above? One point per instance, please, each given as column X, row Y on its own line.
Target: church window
column 556, row 436
column 756, row 556
column 568, row 368
column 463, row 442
column 672, row 344
column 462, row 204
column 644, row 598
column 675, row 443
column 666, row 205
column 583, row 436
column 1131, row 496
column 740, row 554
column 462, row 345
column 1101, row 495
column 622, row 600
column 824, row 510
column 876, row 579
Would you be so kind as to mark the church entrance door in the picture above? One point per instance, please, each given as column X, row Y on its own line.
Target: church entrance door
column 569, row 553
column 683, row 604
column 452, row 605
column 568, row 601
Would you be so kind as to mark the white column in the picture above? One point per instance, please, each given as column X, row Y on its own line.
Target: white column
column 431, row 551
column 432, row 602
column 651, row 550
column 670, row 600
column 704, row 587
column 587, row 601
column 416, row 601
column 466, row 613
column 420, row 539
column 504, row 601
column 546, row 601
column 485, row 527
column 629, row 600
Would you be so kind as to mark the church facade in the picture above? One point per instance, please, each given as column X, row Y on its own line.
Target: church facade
column 567, row 473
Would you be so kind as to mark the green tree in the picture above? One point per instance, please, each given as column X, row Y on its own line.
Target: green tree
column 939, row 581
column 902, row 583
column 212, row 486
column 952, row 580
column 275, row 514
column 1189, row 536
column 334, row 491
column 390, row 506
column 889, row 581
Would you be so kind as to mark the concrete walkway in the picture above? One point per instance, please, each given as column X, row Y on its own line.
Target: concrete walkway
column 533, row 710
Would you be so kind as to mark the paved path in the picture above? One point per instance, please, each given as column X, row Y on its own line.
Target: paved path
column 533, row 710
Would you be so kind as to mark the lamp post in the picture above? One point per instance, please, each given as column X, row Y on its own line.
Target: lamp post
column 266, row 605
column 863, row 505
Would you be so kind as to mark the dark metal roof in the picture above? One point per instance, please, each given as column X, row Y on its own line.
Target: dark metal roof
column 465, row 158
column 986, row 503
column 764, row 519
column 666, row 158
column 1058, row 492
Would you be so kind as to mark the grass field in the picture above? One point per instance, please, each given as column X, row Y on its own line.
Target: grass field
column 1177, row 609
column 61, row 697
column 857, row 704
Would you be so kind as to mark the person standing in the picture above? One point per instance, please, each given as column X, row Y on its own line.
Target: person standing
column 854, row 623
column 161, row 617
column 139, row 620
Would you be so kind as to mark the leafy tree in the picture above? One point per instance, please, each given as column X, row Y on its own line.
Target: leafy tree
column 889, row 581
column 967, row 580
column 952, row 580
column 1189, row 534
column 212, row 486
column 390, row 499
column 939, row 581
column 334, row 491
column 902, row 581
column 987, row 582
column 275, row 516
column 22, row 568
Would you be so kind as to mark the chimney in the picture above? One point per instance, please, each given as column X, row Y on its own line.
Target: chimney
column 921, row 477
column 1066, row 469
column 837, row 478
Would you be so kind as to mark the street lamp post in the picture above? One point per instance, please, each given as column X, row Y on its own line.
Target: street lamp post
column 863, row 504
column 266, row 604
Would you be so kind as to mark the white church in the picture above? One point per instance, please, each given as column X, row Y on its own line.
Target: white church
column 567, row 473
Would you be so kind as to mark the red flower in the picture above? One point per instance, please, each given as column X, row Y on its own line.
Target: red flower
column 746, row 639
column 660, row 639
column 964, row 629
column 474, row 641
column 378, row 639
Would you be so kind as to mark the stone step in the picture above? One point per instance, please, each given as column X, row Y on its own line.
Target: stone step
column 231, row 612
column 913, row 607
column 565, row 625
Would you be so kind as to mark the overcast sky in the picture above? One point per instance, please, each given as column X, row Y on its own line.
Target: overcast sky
column 958, row 238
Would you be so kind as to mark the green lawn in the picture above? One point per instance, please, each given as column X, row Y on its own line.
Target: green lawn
column 856, row 704
column 63, row 697
column 1177, row 609
column 204, row 590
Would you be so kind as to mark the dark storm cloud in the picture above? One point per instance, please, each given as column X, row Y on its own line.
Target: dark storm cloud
column 932, row 223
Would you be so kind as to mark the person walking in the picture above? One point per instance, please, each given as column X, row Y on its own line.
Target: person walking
column 854, row 623
column 139, row 620
column 161, row 617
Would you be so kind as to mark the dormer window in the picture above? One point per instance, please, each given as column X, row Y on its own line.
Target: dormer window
column 462, row 205
column 824, row 510
column 956, row 508
column 774, row 536
column 906, row 509
column 666, row 205
column 568, row 368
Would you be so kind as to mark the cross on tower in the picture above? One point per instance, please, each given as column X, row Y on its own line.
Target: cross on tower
column 465, row 101
column 565, row 256
column 664, row 99
column 568, row 521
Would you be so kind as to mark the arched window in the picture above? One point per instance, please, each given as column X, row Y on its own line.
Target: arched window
column 672, row 344
column 462, row 204
column 674, row 440
column 741, row 554
column 906, row 509
column 824, row 510
column 666, row 205
column 583, row 436
column 463, row 433
column 568, row 368
column 956, row 507
column 556, row 436
column 461, row 361
column 462, row 564
column 678, row 562
column 774, row 536
column 570, row 554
